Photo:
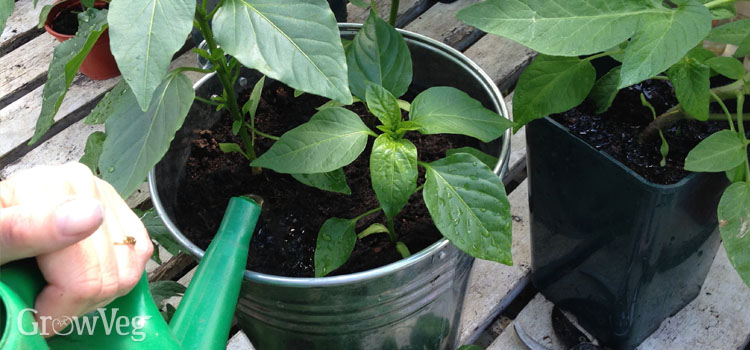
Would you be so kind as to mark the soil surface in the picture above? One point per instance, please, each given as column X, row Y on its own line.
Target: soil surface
column 284, row 241
column 67, row 21
column 617, row 131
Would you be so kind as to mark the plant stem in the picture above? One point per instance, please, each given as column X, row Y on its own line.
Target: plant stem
column 717, row 3
column 225, row 77
column 723, row 107
column 268, row 136
column 371, row 211
column 193, row 69
column 741, row 127
column 394, row 12
column 602, row 54
column 391, row 230
column 209, row 102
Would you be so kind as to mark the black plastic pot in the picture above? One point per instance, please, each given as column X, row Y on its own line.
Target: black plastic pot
column 618, row 251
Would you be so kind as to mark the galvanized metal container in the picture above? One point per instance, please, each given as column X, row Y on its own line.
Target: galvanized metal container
column 414, row 303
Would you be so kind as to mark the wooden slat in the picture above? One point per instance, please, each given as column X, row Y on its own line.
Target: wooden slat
column 719, row 318
column 407, row 11
column 493, row 286
column 502, row 59
column 58, row 149
column 21, row 25
column 441, row 24
column 25, row 68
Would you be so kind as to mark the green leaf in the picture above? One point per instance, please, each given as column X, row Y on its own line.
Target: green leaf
column 334, row 103
column 737, row 174
column 333, row 181
column 93, row 150
column 6, row 8
column 66, row 60
column 383, row 105
column 298, row 93
column 402, row 249
column 468, row 204
column 731, row 33
column 43, row 14
column 445, row 109
column 162, row 290
column 333, row 138
column 729, row 67
column 144, row 35
column 231, row 147
column 159, row 232
column 359, row 3
column 136, row 140
column 562, row 28
column 691, row 83
column 393, row 171
column 373, row 229
column 251, row 106
column 720, row 12
column 490, row 161
column 721, row 151
column 605, row 89
column 734, row 225
column 662, row 40
column 87, row 3
column 107, row 104
column 295, row 42
column 550, row 85
column 335, row 243
column 378, row 55
column 470, row 347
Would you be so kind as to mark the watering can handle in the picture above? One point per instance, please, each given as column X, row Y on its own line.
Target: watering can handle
column 202, row 321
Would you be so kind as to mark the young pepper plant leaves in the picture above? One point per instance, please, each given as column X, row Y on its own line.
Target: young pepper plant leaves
column 605, row 89
column 378, row 55
column 333, row 138
column 93, row 150
column 107, row 104
column 66, row 60
column 333, row 181
column 443, row 109
column 721, row 151
column 144, row 35
column 690, row 78
column 393, row 171
column 734, row 226
column 136, row 140
column 335, row 243
column 735, row 33
column 296, row 42
column 383, row 105
column 468, row 204
column 490, row 161
column 663, row 39
column 6, row 8
column 588, row 26
column 727, row 66
column 551, row 84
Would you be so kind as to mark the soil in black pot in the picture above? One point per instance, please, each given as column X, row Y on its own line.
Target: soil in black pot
column 617, row 131
column 284, row 241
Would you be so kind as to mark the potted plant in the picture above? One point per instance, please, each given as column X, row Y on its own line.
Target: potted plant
column 61, row 21
column 299, row 44
column 624, row 213
column 412, row 302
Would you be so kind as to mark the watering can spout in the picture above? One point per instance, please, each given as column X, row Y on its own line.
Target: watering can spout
column 202, row 321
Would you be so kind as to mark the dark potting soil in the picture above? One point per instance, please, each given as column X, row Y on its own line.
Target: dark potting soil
column 284, row 241
column 67, row 21
column 617, row 131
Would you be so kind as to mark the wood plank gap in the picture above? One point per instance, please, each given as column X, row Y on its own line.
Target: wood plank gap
column 21, row 25
column 174, row 269
column 408, row 10
column 25, row 68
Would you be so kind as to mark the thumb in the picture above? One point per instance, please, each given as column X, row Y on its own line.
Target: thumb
column 28, row 230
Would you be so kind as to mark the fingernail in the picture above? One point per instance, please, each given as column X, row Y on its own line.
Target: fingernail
column 77, row 216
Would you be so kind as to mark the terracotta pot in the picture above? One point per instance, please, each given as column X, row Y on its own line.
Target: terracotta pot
column 99, row 64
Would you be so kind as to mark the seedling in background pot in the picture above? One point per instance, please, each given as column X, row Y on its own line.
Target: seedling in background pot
column 465, row 198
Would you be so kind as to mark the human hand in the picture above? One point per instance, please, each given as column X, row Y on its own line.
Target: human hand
column 75, row 224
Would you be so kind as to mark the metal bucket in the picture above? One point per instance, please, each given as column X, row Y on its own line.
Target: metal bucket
column 414, row 303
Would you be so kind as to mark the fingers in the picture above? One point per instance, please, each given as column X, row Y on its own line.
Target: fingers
column 29, row 230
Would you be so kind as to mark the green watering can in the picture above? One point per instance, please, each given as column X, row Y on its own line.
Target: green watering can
column 133, row 321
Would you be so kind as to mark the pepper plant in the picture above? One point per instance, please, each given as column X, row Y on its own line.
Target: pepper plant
column 464, row 197
column 652, row 39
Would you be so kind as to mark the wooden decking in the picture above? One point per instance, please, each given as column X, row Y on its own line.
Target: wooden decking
column 718, row 319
